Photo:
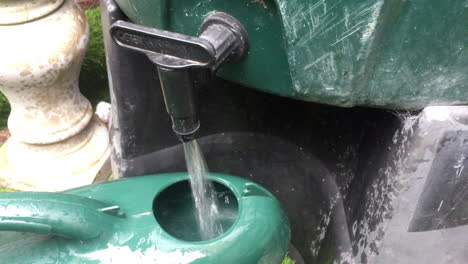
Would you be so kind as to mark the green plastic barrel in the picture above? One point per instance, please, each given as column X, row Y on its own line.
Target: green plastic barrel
column 392, row 54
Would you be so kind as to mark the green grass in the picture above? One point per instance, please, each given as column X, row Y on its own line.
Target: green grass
column 4, row 111
column 93, row 77
column 288, row 260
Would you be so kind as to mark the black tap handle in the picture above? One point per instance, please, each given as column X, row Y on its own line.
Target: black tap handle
column 166, row 48
column 179, row 57
column 222, row 38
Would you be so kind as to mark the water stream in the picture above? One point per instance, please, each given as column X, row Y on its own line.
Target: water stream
column 204, row 195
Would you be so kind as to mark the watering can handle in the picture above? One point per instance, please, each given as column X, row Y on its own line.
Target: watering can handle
column 65, row 215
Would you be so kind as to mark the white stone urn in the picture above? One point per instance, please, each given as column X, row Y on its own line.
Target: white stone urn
column 56, row 142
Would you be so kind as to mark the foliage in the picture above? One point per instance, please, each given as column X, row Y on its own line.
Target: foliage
column 5, row 190
column 4, row 111
column 93, row 77
column 288, row 260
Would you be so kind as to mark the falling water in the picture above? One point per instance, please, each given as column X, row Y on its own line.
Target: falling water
column 208, row 216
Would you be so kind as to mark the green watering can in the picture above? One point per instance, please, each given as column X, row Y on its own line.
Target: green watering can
column 149, row 219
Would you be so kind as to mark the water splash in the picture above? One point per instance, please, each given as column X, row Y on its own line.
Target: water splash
column 391, row 179
column 204, row 195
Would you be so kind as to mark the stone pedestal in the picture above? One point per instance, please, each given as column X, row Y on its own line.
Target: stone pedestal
column 56, row 143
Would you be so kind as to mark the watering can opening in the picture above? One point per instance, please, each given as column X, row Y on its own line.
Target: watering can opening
column 174, row 210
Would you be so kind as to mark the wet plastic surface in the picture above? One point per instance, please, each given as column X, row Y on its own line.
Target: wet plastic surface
column 114, row 222
column 175, row 211
column 392, row 54
column 349, row 179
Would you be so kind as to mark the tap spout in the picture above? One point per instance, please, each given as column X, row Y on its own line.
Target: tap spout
column 186, row 63
column 179, row 97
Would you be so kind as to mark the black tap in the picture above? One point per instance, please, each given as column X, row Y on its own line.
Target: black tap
column 186, row 63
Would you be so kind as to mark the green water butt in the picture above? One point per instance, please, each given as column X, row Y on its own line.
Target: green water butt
column 146, row 219
column 389, row 54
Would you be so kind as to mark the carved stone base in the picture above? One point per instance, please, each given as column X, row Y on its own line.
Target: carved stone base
column 80, row 160
column 55, row 143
